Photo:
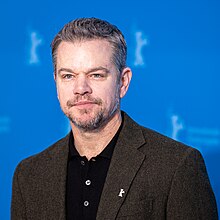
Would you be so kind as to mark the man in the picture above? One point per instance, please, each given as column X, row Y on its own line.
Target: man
column 108, row 166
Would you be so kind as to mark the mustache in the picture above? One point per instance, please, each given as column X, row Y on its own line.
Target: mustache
column 70, row 103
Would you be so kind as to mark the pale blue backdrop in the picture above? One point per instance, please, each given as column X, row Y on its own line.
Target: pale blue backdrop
column 173, row 49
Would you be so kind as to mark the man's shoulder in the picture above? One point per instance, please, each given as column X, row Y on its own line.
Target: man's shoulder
column 162, row 153
column 46, row 156
column 157, row 143
column 160, row 149
column 155, row 138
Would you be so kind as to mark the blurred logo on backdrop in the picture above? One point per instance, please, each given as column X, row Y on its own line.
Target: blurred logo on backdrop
column 35, row 42
column 197, row 136
column 141, row 41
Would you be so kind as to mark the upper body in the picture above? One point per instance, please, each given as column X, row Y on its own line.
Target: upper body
column 161, row 179
column 148, row 171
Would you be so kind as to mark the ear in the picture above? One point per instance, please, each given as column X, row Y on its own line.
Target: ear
column 126, row 76
column 55, row 76
column 55, row 79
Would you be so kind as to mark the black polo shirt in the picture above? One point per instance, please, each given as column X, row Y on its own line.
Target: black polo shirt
column 85, row 181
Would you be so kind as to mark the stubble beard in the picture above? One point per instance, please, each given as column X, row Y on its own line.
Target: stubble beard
column 98, row 121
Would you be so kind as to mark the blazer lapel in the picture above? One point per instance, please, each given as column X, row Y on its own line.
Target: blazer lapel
column 125, row 163
column 60, row 159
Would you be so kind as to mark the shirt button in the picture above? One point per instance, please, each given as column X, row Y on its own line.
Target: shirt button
column 86, row 203
column 88, row 182
column 82, row 162
column 93, row 159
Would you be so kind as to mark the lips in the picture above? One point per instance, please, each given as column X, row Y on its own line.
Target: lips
column 83, row 103
column 78, row 101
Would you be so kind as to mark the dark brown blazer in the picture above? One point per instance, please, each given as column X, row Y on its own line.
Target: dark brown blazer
column 158, row 178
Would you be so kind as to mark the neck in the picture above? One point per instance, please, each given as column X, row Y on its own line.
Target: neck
column 90, row 144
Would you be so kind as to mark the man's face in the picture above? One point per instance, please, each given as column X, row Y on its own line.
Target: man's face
column 88, row 83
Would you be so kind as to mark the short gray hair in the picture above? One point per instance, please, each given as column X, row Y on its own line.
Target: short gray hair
column 89, row 29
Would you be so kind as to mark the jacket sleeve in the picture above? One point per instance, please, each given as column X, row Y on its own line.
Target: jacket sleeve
column 191, row 196
column 17, row 202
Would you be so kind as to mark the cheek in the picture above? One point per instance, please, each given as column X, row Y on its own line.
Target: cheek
column 112, row 96
column 62, row 97
column 63, row 91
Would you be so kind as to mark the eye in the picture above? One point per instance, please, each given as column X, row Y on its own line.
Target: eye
column 67, row 76
column 97, row 76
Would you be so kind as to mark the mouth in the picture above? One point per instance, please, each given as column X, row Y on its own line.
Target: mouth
column 84, row 103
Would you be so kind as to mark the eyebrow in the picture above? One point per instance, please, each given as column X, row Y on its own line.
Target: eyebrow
column 87, row 72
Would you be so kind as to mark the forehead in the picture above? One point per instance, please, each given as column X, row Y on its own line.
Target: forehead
column 84, row 46
column 85, row 53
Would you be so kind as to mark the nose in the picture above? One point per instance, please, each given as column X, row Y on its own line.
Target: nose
column 81, row 86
